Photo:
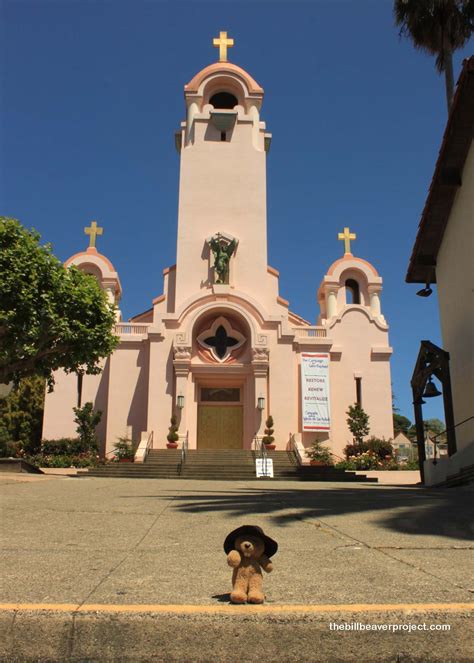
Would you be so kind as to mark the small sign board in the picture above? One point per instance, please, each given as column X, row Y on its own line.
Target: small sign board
column 264, row 467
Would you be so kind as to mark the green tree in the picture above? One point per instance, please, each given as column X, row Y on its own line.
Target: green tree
column 21, row 414
column 401, row 424
column 50, row 317
column 87, row 419
column 439, row 27
column 358, row 422
column 435, row 426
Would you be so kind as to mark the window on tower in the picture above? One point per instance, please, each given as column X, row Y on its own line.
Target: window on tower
column 352, row 292
column 223, row 100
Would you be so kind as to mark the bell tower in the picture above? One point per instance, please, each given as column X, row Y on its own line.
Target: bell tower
column 222, row 188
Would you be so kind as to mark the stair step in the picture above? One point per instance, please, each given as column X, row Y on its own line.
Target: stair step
column 215, row 465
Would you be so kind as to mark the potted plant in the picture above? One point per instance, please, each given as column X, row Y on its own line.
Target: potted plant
column 173, row 436
column 268, row 438
column 319, row 454
column 123, row 450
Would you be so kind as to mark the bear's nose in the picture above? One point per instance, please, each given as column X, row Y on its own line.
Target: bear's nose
column 247, row 545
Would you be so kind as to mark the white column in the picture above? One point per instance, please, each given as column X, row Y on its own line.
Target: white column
column 255, row 115
column 375, row 304
column 109, row 291
column 332, row 304
column 193, row 110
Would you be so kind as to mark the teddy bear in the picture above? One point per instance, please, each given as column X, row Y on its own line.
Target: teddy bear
column 248, row 551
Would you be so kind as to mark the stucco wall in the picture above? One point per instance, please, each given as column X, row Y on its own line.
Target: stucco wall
column 58, row 420
column 455, row 277
column 355, row 334
column 128, row 388
column 222, row 189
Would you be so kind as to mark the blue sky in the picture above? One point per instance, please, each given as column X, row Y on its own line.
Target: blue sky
column 93, row 93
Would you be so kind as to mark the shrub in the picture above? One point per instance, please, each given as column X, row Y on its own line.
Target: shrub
column 379, row 446
column 358, row 422
column 65, row 446
column 351, row 450
column 87, row 419
column 268, row 437
column 21, row 414
column 344, row 465
column 319, row 452
column 390, row 464
column 10, row 449
column 366, row 461
column 410, row 465
column 123, row 449
column 64, row 460
column 173, row 430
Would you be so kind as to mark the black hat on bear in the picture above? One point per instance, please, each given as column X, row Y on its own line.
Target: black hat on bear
column 271, row 546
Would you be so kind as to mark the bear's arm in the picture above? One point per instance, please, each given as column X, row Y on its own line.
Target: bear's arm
column 233, row 558
column 266, row 564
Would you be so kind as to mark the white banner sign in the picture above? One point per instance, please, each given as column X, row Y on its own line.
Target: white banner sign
column 315, row 405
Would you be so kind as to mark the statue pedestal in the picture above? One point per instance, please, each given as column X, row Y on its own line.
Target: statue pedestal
column 221, row 288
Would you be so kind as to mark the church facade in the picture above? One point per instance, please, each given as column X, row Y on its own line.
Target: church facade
column 220, row 348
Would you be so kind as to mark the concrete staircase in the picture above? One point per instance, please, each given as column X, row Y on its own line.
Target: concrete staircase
column 461, row 478
column 219, row 465
column 160, row 464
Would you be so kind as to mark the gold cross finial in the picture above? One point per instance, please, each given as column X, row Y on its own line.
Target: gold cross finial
column 347, row 236
column 223, row 44
column 93, row 231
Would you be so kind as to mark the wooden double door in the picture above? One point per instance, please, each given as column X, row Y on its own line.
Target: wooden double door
column 220, row 426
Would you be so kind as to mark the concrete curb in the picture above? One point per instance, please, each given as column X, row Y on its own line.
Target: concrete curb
column 212, row 633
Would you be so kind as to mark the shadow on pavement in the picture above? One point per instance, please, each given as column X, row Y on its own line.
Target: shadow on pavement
column 447, row 512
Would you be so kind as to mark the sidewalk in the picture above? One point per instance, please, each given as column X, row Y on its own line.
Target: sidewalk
column 122, row 542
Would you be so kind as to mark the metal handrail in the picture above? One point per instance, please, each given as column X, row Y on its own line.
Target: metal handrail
column 260, row 447
column 433, row 439
column 294, row 448
column 184, row 448
column 149, row 445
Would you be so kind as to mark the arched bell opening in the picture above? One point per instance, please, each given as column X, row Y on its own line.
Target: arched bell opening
column 352, row 291
column 223, row 100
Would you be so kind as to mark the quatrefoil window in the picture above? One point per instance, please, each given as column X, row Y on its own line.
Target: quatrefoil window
column 221, row 339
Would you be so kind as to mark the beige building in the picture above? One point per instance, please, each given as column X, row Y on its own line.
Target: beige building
column 444, row 254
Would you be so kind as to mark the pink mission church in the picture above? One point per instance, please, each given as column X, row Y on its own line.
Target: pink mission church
column 220, row 348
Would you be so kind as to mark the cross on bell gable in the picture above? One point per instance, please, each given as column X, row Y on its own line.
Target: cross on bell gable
column 223, row 43
column 346, row 237
column 93, row 230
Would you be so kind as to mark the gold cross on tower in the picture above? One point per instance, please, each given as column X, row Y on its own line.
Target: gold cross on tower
column 93, row 231
column 347, row 236
column 223, row 43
